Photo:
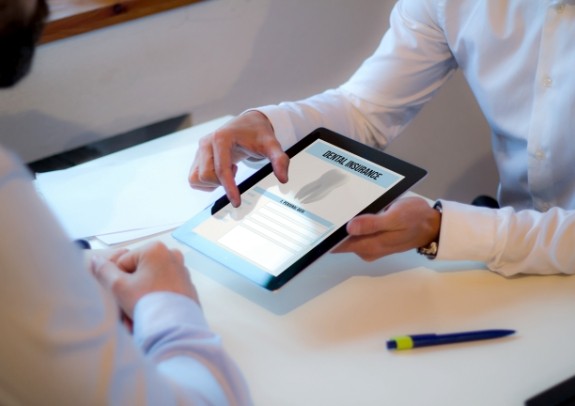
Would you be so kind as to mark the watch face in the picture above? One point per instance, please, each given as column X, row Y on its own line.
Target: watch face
column 430, row 251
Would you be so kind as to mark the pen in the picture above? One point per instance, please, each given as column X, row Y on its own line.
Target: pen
column 425, row 340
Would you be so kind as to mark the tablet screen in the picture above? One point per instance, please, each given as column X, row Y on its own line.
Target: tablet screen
column 281, row 228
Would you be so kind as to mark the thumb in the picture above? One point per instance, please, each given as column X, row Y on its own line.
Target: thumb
column 105, row 271
column 365, row 224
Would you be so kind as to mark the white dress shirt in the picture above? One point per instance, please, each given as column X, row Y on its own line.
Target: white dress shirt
column 518, row 57
column 61, row 340
column 509, row 242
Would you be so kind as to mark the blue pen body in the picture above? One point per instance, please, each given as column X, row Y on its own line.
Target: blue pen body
column 425, row 340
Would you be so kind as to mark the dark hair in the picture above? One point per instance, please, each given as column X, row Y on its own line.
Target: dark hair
column 18, row 40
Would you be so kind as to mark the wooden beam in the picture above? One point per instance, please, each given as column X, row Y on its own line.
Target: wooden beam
column 73, row 17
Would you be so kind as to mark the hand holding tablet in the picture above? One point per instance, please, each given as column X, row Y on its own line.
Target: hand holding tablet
column 280, row 229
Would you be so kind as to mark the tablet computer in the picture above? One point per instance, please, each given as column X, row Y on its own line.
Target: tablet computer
column 561, row 394
column 280, row 229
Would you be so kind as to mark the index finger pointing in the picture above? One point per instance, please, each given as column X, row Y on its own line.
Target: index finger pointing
column 225, row 169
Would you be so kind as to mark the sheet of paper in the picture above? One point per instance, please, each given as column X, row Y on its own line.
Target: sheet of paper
column 148, row 192
column 133, row 235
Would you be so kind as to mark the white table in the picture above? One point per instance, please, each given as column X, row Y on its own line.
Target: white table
column 321, row 339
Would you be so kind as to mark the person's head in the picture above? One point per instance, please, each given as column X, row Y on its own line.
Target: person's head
column 21, row 23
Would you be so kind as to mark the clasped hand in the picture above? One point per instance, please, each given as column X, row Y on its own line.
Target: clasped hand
column 130, row 275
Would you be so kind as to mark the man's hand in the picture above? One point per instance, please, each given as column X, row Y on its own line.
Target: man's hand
column 408, row 223
column 133, row 274
column 110, row 254
column 249, row 135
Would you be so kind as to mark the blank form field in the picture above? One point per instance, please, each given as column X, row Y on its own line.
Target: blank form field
column 256, row 248
column 272, row 235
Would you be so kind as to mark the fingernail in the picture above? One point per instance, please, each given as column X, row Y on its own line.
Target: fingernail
column 352, row 228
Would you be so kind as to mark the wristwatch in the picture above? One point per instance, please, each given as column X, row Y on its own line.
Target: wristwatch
column 430, row 251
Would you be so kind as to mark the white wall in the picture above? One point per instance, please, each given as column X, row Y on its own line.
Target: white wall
column 219, row 57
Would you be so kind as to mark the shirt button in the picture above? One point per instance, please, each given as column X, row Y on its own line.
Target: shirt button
column 539, row 155
column 547, row 81
column 560, row 8
column 544, row 207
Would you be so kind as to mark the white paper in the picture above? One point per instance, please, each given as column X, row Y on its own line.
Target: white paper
column 148, row 192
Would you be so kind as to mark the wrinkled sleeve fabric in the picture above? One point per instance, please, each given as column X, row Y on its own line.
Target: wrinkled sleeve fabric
column 62, row 342
column 411, row 63
column 509, row 242
column 172, row 331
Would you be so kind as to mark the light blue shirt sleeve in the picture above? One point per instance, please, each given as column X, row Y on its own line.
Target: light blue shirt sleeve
column 172, row 331
column 62, row 342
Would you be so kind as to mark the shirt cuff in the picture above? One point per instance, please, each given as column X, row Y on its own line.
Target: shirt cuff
column 281, row 123
column 467, row 233
column 161, row 311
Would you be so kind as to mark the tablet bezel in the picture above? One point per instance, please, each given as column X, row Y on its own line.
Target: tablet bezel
column 411, row 175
